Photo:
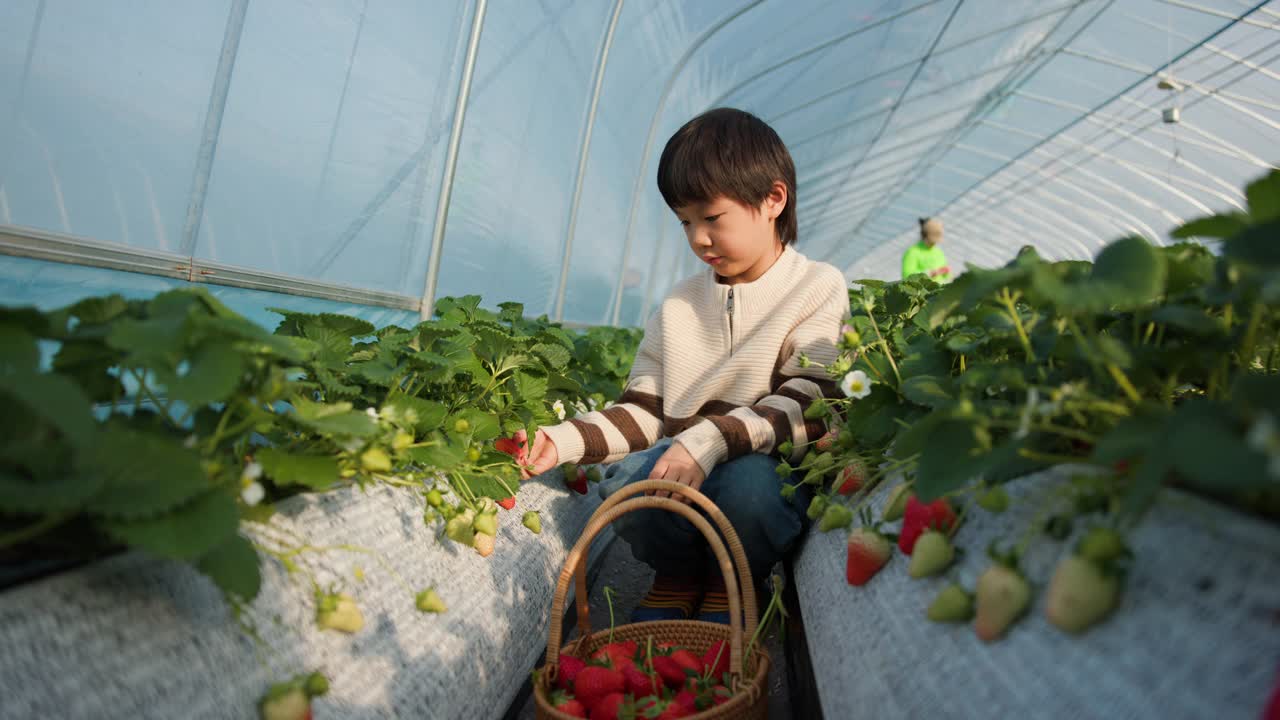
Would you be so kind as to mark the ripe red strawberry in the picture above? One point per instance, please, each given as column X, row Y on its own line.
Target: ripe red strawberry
column 1080, row 594
column 932, row 554
column 568, row 704
column 657, row 709
column 575, row 476
column 669, row 670
column 715, row 662
column 919, row 517
column 688, row 661
column 512, row 448
column 594, row 682
column 507, row 503
column 868, row 552
column 852, row 477
column 570, row 666
column 638, row 682
column 687, row 699
column 618, row 654
column 1002, row 595
column 614, row 706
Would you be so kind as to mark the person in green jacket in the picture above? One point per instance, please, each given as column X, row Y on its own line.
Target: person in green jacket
column 925, row 256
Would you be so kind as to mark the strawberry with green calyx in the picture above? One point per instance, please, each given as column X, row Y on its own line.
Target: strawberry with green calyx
column 932, row 554
column 952, row 604
column 788, row 492
column 568, row 704
column 1001, row 597
column 827, row 441
column 512, row 447
column 669, row 670
column 486, row 523
column 852, row 477
column 435, row 498
column 715, row 661
column 315, row 684
column 594, row 682
column 570, row 666
column 1085, row 587
column 338, row 611
column 896, row 504
column 817, row 506
column 690, row 663
column 995, row 500
column 868, row 551
column 375, row 459
column 918, row 517
column 817, row 410
column 594, row 475
column 614, row 706
column 785, row 448
column 286, row 704
column 575, row 476
column 459, row 528
column 484, row 544
column 533, row 521
column 654, row 708
column 835, row 516
column 507, row 503
column 429, row 601
column 638, row 682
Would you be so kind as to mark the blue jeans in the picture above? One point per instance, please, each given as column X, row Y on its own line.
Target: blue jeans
column 747, row 491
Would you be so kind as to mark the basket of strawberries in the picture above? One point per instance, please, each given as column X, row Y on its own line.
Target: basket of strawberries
column 663, row 668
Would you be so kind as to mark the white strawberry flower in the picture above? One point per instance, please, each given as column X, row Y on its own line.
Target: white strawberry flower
column 371, row 412
column 252, row 493
column 856, row 385
column 579, row 408
column 251, row 472
column 558, row 407
column 608, row 405
column 591, row 403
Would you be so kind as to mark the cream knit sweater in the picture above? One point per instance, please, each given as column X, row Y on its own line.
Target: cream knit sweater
column 719, row 368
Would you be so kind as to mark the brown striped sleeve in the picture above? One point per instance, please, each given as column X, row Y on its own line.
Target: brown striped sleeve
column 735, row 434
column 651, row 404
column 595, row 447
column 621, row 419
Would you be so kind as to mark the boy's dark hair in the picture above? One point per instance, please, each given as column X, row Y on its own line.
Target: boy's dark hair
column 730, row 153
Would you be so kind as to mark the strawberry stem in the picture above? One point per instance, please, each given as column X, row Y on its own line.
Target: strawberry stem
column 608, row 598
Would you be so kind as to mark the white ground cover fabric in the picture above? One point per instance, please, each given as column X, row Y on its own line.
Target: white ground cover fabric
column 136, row 637
column 1197, row 633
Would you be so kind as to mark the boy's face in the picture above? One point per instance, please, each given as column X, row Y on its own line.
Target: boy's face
column 738, row 241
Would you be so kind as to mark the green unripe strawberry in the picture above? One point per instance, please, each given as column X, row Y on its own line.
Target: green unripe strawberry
column 1101, row 545
column 788, row 492
column 339, row 612
column 817, row 506
column 459, row 529
column 835, row 516
column 1001, row 597
column 316, row 685
column 995, row 500
column 484, row 544
column 428, row 601
column 375, row 459
column 785, row 448
column 533, row 521
column 434, row 498
column 952, row 604
column 289, row 703
column 401, row 441
column 931, row 555
column 594, row 475
column 896, row 504
column 817, row 410
column 461, row 426
column 1080, row 594
column 852, row 339
column 473, row 454
column 486, row 523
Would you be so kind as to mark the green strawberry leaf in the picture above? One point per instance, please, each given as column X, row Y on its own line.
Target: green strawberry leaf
column 1214, row 226
column 333, row 419
column 185, row 533
column 316, row 472
column 214, row 373
column 233, row 567
column 66, row 491
column 55, row 398
column 145, row 474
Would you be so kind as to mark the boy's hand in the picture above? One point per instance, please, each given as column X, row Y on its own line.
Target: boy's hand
column 677, row 465
column 541, row 457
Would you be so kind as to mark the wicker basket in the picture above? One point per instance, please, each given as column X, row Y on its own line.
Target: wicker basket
column 748, row 676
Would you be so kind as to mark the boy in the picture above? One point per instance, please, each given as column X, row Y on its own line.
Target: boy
column 718, row 371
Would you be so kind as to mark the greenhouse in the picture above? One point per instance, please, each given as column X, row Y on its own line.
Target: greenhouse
column 639, row 359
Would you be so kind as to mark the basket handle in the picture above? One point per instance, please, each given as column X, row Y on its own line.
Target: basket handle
column 736, row 553
column 616, row 506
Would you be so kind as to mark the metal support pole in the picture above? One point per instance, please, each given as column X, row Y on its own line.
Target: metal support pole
column 451, row 162
column 212, row 126
column 596, row 84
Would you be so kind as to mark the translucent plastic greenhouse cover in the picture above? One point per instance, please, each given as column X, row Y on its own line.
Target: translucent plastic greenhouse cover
column 370, row 156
